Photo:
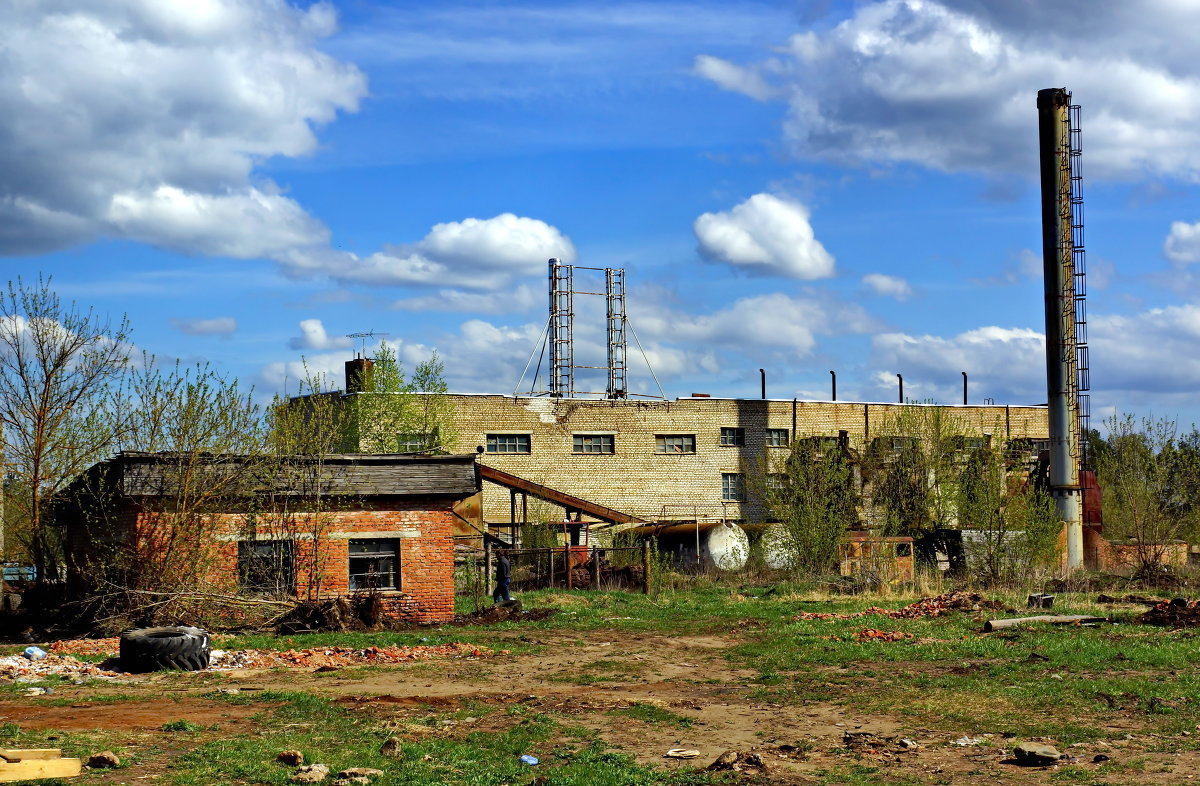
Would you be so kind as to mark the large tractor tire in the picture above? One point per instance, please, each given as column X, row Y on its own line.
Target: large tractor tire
column 158, row 649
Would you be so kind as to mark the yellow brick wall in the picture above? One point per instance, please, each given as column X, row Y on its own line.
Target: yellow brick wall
column 636, row 480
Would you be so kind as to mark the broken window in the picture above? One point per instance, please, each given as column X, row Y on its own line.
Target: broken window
column 374, row 564
column 266, row 566
column 777, row 437
column 733, row 487
column 507, row 443
column 733, row 436
column 593, row 443
column 674, row 443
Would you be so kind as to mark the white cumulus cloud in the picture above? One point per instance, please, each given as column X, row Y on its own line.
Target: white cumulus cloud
column 888, row 286
column 950, row 84
column 146, row 119
column 1183, row 243
column 314, row 336
column 765, row 235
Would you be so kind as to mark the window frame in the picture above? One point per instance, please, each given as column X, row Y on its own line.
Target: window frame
column 733, row 437
column 777, row 437
column 281, row 558
column 733, row 487
column 519, row 440
column 662, row 443
column 582, row 443
column 386, row 548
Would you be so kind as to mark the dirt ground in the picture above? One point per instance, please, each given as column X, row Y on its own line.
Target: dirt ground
column 689, row 676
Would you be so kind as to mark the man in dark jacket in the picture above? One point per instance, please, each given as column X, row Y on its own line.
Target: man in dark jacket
column 503, row 571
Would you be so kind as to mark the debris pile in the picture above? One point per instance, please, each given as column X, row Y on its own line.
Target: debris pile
column 1174, row 613
column 927, row 607
column 871, row 634
column 21, row 669
column 61, row 661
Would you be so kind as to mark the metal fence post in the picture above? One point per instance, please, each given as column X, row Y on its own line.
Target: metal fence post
column 646, row 568
column 567, row 563
column 487, row 566
column 596, row 568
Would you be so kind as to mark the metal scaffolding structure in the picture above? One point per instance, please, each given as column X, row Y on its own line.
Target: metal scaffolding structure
column 614, row 290
column 560, row 338
column 562, row 330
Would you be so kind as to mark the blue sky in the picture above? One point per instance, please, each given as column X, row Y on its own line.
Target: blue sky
column 796, row 186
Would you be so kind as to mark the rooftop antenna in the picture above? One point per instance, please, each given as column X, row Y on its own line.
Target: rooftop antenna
column 363, row 337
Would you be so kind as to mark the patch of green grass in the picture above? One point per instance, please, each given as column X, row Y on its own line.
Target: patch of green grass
column 329, row 734
column 181, row 725
column 652, row 713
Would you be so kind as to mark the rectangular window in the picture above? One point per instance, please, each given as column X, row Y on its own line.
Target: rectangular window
column 415, row 441
column 266, row 566
column 733, row 487
column 593, row 443
column 733, row 436
column 374, row 564
column 507, row 443
column 777, row 437
column 674, row 443
column 775, row 481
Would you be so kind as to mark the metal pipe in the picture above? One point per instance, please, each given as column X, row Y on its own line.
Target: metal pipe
column 1058, row 266
column 833, row 378
column 763, row 374
column 901, row 378
column 964, row 388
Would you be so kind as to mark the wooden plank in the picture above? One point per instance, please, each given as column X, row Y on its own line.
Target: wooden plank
column 20, row 754
column 1068, row 619
column 37, row 769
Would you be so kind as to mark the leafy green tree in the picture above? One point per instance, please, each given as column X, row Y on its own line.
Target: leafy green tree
column 1149, row 477
column 61, row 375
column 812, row 493
column 395, row 413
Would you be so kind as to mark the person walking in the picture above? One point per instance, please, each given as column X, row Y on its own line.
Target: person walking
column 503, row 572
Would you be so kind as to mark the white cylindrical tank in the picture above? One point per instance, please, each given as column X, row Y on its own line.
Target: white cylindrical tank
column 722, row 546
column 778, row 550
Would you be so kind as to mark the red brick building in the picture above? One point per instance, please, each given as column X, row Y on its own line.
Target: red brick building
column 304, row 527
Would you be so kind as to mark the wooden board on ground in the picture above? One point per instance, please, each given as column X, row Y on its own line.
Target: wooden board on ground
column 23, row 764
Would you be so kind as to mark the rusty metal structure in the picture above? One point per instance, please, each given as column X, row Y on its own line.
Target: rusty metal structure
column 1064, row 270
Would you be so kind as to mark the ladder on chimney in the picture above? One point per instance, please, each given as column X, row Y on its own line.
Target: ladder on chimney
column 1079, row 281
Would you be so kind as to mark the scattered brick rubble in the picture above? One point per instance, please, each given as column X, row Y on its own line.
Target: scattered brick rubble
column 61, row 660
column 871, row 634
column 1174, row 613
column 928, row 607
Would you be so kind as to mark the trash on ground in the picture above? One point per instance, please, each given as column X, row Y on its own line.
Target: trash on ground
column 749, row 763
column 60, row 661
column 34, row 653
column 681, row 753
column 967, row 742
column 530, row 760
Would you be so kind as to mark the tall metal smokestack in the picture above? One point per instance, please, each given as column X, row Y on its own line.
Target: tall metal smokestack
column 1058, row 264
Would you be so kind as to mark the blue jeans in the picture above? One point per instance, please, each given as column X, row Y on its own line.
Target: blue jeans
column 501, row 592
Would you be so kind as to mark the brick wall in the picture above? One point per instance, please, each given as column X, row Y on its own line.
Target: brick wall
column 421, row 527
column 635, row 479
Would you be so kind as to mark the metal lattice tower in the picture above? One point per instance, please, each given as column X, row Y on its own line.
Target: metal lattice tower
column 1079, row 274
column 562, row 332
column 614, row 288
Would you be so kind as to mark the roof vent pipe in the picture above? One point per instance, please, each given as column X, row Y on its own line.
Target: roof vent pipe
column 901, row 378
column 763, row 373
column 964, row 388
column 833, row 375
